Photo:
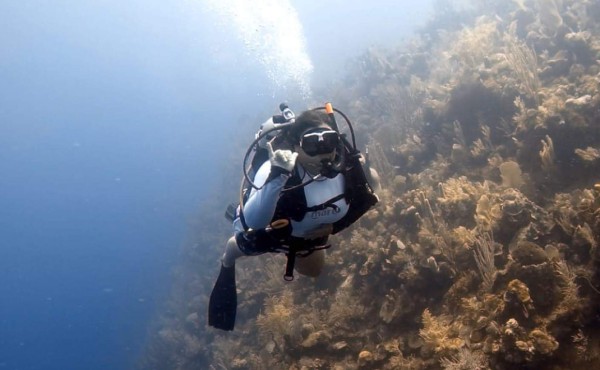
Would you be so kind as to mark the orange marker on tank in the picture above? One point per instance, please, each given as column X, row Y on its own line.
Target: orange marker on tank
column 328, row 108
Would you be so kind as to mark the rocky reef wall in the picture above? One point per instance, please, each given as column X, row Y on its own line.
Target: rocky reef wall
column 483, row 252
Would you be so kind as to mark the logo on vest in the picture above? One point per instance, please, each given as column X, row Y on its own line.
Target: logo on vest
column 325, row 212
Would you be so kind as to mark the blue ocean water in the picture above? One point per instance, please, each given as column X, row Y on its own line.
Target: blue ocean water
column 113, row 118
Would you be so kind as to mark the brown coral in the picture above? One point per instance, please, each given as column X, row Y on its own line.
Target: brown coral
column 487, row 127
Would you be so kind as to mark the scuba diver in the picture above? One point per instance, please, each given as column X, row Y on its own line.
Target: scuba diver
column 305, row 183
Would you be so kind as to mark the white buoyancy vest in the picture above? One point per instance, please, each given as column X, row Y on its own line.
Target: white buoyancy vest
column 259, row 208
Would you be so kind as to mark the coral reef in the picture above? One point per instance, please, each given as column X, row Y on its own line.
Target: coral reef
column 483, row 252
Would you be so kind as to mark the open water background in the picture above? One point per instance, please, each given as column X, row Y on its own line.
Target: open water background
column 113, row 119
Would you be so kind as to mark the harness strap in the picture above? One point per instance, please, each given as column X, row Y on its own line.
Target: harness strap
column 328, row 204
column 243, row 220
column 294, row 251
column 289, row 266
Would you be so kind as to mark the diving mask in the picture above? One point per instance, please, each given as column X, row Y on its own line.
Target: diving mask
column 320, row 142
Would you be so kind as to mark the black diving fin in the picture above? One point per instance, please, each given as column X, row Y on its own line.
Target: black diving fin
column 223, row 300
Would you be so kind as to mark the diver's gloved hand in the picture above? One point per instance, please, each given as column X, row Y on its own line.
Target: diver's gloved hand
column 282, row 158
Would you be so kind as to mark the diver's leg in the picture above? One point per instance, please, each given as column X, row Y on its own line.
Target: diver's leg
column 232, row 252
column 311, row 265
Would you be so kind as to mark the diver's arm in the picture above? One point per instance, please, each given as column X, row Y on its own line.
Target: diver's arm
column 260, row 207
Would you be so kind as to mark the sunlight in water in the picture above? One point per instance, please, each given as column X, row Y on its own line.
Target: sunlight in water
column 272, row 34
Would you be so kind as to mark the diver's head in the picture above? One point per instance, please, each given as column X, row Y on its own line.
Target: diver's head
column 314, row 139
